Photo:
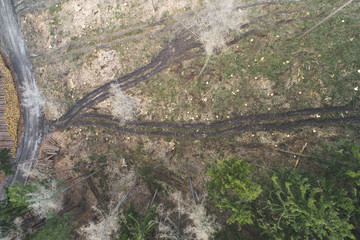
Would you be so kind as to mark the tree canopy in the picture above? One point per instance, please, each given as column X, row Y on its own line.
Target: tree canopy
column 56, row 228
column 232, row 188
column 296, row 206
column 5, row 161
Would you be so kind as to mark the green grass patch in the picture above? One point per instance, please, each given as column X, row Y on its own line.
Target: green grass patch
column 55, row 9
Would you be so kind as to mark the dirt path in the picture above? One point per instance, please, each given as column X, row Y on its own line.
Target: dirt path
column 29, row 5
column 177, row 50
column 99, row 42
column 251, row 123
column 14, row 46
column 256, row 127
column 182, row 47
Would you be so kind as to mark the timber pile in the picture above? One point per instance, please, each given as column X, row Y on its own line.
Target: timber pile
column 6, row 141
column 51, row 149
column 9, row 108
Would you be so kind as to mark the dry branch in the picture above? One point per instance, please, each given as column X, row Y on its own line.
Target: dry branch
column 179, row 216
column 192, row 191
column 123, row 200
column 68, row 169
column 298, row 159
column 325, row 19
column 67, row 188
column 152, row 200
column 296, row 154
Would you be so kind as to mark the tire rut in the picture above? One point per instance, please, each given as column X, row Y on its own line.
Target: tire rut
column 175, row 50
column 233, row 121
column 180, row 48
column 209, row 133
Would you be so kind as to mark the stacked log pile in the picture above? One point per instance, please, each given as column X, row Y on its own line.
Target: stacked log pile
column 51, row 149
column 9, row 109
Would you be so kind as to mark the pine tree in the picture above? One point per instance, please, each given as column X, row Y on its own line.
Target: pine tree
column 296, row 206
column 5, row 161
column 232, row 189
column 57, row 228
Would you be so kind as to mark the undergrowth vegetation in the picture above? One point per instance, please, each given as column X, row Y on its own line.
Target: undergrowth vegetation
column 136, row 225
column 57, row 228
column 294, row 204
column 231, row 187
column 43, row 197
column 123, row 108
column 5, row 161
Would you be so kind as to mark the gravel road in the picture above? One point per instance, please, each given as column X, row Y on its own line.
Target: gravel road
column 13, row 45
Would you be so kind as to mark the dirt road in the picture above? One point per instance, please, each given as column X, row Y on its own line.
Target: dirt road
column 14, row 46
column 251, row 123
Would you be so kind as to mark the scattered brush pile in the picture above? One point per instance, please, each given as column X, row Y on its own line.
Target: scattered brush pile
column 12, row 110
column 104, row 229
column 215, row 23
column 122, row 108
column 201, row 226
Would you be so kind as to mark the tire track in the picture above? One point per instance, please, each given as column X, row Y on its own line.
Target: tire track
column 250, row 127
column 175, row 50
column 228, row 122
column 83, row 46
column 180, row 48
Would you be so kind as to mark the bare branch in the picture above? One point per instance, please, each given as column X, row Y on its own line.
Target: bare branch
column 152, row 201
column 296, row 154
column 153, row 4
column 325, row 19
column 65, row 189
column 262, row 2
column 123, row 200
column 179, row 216
column 192, row 190
column 68, row 169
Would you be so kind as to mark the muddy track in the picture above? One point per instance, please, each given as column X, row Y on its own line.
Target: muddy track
column 110, row 39
column 254, row 126
column 178, row 49
column 229, row 122
column 181, row 47
column 30, row 5
column 249, row 123
column 107, row 41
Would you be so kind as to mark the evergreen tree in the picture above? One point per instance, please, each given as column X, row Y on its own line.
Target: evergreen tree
column 43, row 197
column 56, row 228
column 340, row 164
column 5, row 161
column 232, row 189
column 296, row 206
column 137, row 226
column 8, row 213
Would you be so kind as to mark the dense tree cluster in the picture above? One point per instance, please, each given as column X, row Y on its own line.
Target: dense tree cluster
column 292, row 204
column 5, row 161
